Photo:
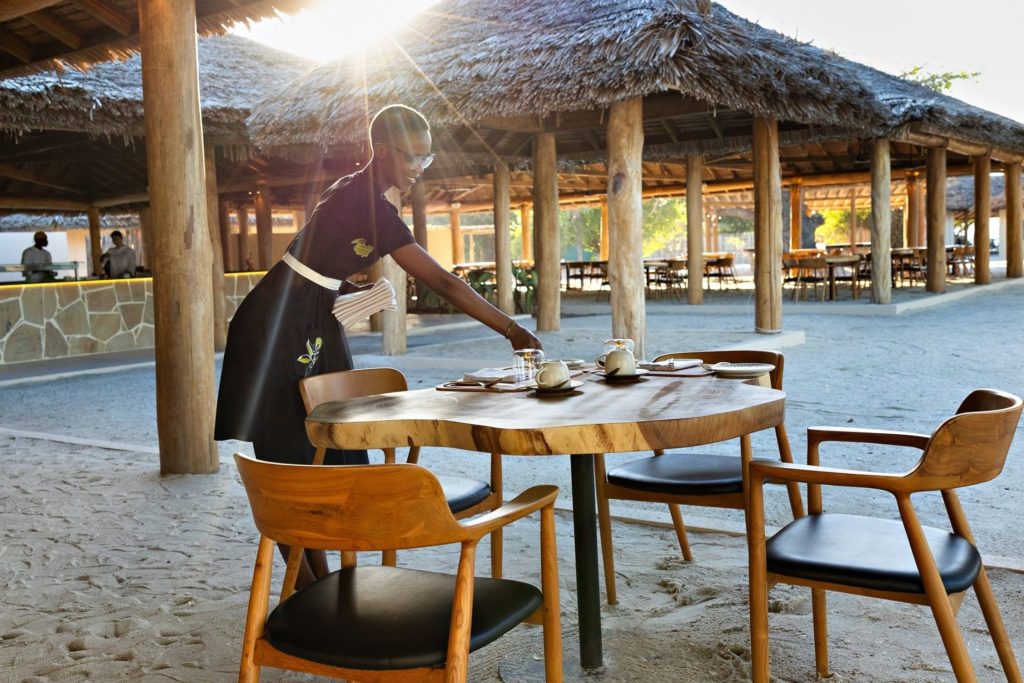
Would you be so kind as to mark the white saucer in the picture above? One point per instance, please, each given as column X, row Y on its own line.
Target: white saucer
column 742, row 370
column 572, row 386
column 619, row 377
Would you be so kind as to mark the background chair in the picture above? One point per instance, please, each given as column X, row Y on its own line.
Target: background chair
column 811, row 271
column 894, row 560
column 380, row 623
column 687, row 477
column 466, row 497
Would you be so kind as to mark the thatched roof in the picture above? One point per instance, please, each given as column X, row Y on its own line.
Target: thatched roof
column 42, row 35
column 960, row 193
column 471, row 61
column 30, row 222
column 106, row 100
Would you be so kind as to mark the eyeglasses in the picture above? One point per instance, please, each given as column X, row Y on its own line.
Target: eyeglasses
column 421, row 160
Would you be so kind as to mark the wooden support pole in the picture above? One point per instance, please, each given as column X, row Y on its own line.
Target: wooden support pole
column 626, row 222
column 796, row 216
column 913, row 211
column 525, row 216
column 694, row 230
column 227, row 247
column 716, row 234
column 919, row 229
column 547, row 246
column 220, row 323
column 95, row 240
column 146, row 225
column 244, row 262
column 455, row 224
column 264, row 228
column 767, row 227
column 603, row 253
column 182, row 291
column 503, row 239
column 853, row 222
column 982, row 215
column 881, row 222
column 394, row 340
column 1014, row 236
column 936, row 220
column 419, row 227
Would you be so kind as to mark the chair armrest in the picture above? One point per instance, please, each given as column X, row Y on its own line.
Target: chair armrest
column 828, row 476
column 525, row 503
column 816, row 435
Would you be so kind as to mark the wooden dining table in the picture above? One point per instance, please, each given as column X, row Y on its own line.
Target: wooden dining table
column 655, row 412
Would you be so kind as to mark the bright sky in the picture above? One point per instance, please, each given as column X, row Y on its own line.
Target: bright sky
column 891, row 35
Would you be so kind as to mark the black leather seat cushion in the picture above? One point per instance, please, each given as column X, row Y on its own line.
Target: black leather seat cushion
column 868, row 553
column 463, row 493
column 681, row 474
column 391, row 617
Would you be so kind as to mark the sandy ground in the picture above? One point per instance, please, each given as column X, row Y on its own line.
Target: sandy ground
column 110, row 572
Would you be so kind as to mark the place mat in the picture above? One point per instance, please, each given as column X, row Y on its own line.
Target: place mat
column 499, row 388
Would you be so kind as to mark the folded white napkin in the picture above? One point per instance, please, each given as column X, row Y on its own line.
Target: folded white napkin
column 351, row 308
column 670, row 365
column 504, row 375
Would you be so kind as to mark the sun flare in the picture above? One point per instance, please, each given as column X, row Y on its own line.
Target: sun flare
column 332, row 28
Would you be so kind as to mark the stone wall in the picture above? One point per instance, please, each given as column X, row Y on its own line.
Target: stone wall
column 62, row 319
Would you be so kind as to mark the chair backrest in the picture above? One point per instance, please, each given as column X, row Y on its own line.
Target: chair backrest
column 338, row 386
column 813, row 263
column 737, row 356
column 971, row 447
column 349, row 507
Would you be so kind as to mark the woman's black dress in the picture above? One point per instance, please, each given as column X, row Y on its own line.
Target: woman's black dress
column 284, row 330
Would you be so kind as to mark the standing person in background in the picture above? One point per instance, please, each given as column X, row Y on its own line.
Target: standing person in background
column 36, row 256
column 285, row 330
column 119, row 260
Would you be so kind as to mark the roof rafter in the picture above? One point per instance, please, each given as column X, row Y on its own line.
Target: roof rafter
column 109, row 15
column 56, row 27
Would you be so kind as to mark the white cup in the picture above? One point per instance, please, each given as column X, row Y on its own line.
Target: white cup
column 553, row 374
column 620, row 362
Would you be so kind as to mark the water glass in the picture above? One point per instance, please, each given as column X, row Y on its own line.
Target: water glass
column 525, row 363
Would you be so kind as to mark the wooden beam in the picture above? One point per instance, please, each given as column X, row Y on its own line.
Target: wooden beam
column 13, row 9
column 1014, row 236
column 547, row 245
column 982, row 216
column 881, row 223
column 626, row 222
column 694, row 230
column 503, row 240
column 109, row 15
column 15, row 46
column 56, row 27
column 935, row 232
column 767, row 227
column 139, row 198
column 182, row 291
column 42, row 204
column 8, row 171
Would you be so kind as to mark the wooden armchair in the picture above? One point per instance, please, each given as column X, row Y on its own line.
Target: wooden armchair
column 379, row 623
column 893, row 560
column 687, row 477
column 811, row 271
column 466, row 497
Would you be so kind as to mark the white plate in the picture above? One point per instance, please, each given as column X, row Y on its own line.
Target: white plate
column 574, row 363
column 741, row 370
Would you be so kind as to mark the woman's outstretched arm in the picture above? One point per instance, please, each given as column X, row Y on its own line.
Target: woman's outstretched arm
column 422, row 266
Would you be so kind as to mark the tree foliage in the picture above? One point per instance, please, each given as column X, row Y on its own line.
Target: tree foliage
column 939, row 81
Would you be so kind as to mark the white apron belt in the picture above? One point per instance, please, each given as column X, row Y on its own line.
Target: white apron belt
column 310, row 274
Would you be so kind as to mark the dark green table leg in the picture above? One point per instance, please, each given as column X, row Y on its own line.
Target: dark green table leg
column 588, row 590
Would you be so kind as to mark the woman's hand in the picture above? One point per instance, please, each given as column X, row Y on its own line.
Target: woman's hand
column 522, row 338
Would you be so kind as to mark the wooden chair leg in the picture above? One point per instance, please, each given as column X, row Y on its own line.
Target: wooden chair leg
column 604, row 520
column 291, row 571
column 796, row 503
column 938, row 600
column 820, row 616
column 256, row 614
column 996, row 628
column 497, row 549
column 348, row 559
column 551, row 620
column 497, row 539
column 680, row 526
column 757, row 573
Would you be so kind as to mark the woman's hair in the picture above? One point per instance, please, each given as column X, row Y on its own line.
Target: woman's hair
column 396, row 122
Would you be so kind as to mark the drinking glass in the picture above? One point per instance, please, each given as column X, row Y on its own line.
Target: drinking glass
column 525, row 363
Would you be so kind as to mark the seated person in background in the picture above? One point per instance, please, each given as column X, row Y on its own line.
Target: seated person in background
column 119, row 261
column 36, row 256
